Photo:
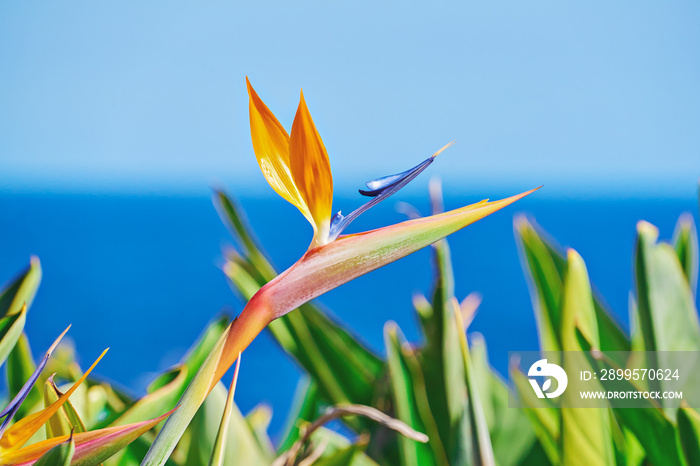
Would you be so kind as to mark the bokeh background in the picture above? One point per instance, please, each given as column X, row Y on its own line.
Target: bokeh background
column 117, row 119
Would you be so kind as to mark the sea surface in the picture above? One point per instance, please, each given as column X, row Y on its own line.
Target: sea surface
column 141, row 275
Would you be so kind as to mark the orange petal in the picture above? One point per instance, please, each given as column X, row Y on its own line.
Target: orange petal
column 311, row 171
column 271, row 146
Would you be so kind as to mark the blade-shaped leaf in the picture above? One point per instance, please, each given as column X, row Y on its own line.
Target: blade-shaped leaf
column 481, row 449
column 189, row 404
column 689, row 433
column 21, row 290
column 512, row 437
column 666, row 312
column 441, row 359
column 305, row 410
column 20, row 366
column 546, row 267
column 544, row 416
column 685, row 242
column 11, row 327
column 405, row 407
column 586, row 435
column 650, row 425
column 668, row 318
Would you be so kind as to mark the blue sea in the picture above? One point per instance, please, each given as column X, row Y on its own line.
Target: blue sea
column 141, row 275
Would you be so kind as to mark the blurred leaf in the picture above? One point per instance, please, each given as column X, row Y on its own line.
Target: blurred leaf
column 305, row 409
column 60, row 455
column 21, row 290
column 649, row 424
column 20, row 366
column 479, row 449
column 306, row 451
column 512, row 437
column 546, row 270
column 241, row 446
column 668, row 318
column 11, row 327
column 689, row 433
column 344, row 370
column 352, row 455
column 441, row 359
column 685, row 243
column 330, row 448
column 405, row 408
column 258, row 420
column 235, row 219
column 421, row 394
column 190, row 405
column 546, row 267
column 586, row 432
column 544, row 416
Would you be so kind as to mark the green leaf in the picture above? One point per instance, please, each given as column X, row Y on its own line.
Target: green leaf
column 544, row 416
column 479, row 449
column 240, row 443
column 235, row 219
column 305, row 410
column 258, row 420
column 689, row 433
column 405, row 407
column 685, row 243
column 512, row 436
column 11, row 327
column 60, row 455
column 586, row 432
column 441, row 359
column 546, row 267
column 422, row 394
column 351, row 455
column 654, row 430
column 336, row 450
column 21, row 290
column 195, row 394
column 668, row 318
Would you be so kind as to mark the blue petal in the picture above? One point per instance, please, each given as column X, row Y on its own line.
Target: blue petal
column 378, row 186
column 379, row 189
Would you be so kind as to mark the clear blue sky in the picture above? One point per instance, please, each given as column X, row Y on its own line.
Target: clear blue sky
column 150, row 96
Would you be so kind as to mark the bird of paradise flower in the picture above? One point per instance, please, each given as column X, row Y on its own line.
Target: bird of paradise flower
column 297, row 167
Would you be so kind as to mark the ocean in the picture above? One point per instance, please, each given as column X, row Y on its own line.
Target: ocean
column 141, row 275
